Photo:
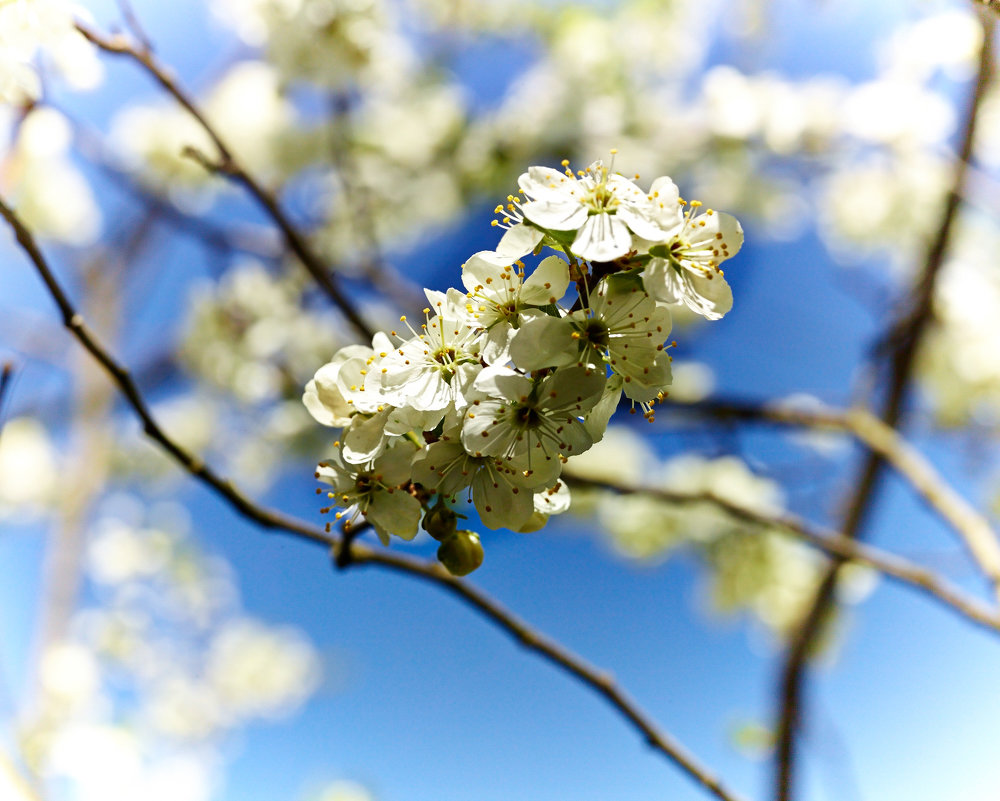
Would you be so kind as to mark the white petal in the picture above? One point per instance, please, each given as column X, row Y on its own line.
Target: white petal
column 324, row 401
column 666, row 204
column 602, row 238
column 395, row 512
column 546, row 182
column 520, row 240
column 596, row 421
column 547, row 284
column 718, row 229
column 544, row 342
column 553, row 501
column 393, row 467
column 500, row 505
column 365, row 439
column 557, row 214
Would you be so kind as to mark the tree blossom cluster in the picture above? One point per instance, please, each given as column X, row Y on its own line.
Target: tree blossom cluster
column 29, row 28
column 158, row 668
column 506, row 381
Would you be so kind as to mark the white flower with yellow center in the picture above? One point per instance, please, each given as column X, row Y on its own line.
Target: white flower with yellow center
column 432, row 371
column 498, row 294
column 502, row 496
column 602, row 207
column 376, row 491
column 622, row 327
column 531, row 424
column 685, row 267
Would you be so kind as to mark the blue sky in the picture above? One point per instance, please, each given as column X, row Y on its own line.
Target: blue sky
column 432, row 704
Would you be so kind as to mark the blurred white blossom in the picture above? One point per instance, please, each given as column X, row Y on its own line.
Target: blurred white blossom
column 28, row 471
column 33, row 28
column 37, row 173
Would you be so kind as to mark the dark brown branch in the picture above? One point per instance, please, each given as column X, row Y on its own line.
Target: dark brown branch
column 905, row 338
column 228, row 165
column 601, row 682
column 123, row 379
column 598, row 681
column 6, row 374
column 830, row 542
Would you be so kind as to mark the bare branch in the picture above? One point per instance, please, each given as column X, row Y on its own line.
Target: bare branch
column 589, row 676
column 971, row 526
column 6, row 374
column 599, row 681
column 830, row 542
column 227, row 164
column 905, row 336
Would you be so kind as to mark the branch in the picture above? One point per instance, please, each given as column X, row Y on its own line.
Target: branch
column 6, row 373
column 905, row 336
column 601, row 682
column 830, row 542
column 432, row 572
column 972, row 527
column 229, row 166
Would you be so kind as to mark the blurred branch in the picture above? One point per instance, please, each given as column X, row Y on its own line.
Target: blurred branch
column 123, row 379
column 359, row 196
column 134, row 26
column 227, row 165
column 833, row 544
column 904, row 338
column 13, row 777
column 6, row 374
column 599, row 682
column 880, row 438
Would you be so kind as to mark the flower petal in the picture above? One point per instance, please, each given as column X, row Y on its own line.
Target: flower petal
column 602, row 238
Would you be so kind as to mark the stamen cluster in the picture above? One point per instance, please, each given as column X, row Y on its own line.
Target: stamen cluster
column 505, row 382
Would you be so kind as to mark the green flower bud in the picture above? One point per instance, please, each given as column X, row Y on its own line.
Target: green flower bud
column 462, row 553
column 440, row 522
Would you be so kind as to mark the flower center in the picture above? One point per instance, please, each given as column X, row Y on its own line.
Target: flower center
column 527, row 416
column 445, row 356
column 596, row 333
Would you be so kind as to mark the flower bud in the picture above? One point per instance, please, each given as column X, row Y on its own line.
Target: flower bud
column 462, row 553
column 440, row 522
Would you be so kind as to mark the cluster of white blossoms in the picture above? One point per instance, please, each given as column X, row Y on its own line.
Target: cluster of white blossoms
column 161, row 665
column 506, row 381
column 32, row 27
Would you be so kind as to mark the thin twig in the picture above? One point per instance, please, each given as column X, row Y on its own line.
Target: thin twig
column 133, row 24
column 228, row 165
column 906, row 336
column 123, row 379
column 589, row 676
column 971, row 526
column 830, row 542
column 6, row 374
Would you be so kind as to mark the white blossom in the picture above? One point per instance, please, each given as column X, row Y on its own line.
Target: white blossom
column 532, row 424
column 603, row 208
column 685, row 268
column 375, row 491
column 499, row 294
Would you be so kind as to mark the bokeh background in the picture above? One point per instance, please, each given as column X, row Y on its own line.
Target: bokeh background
column 154, row 645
